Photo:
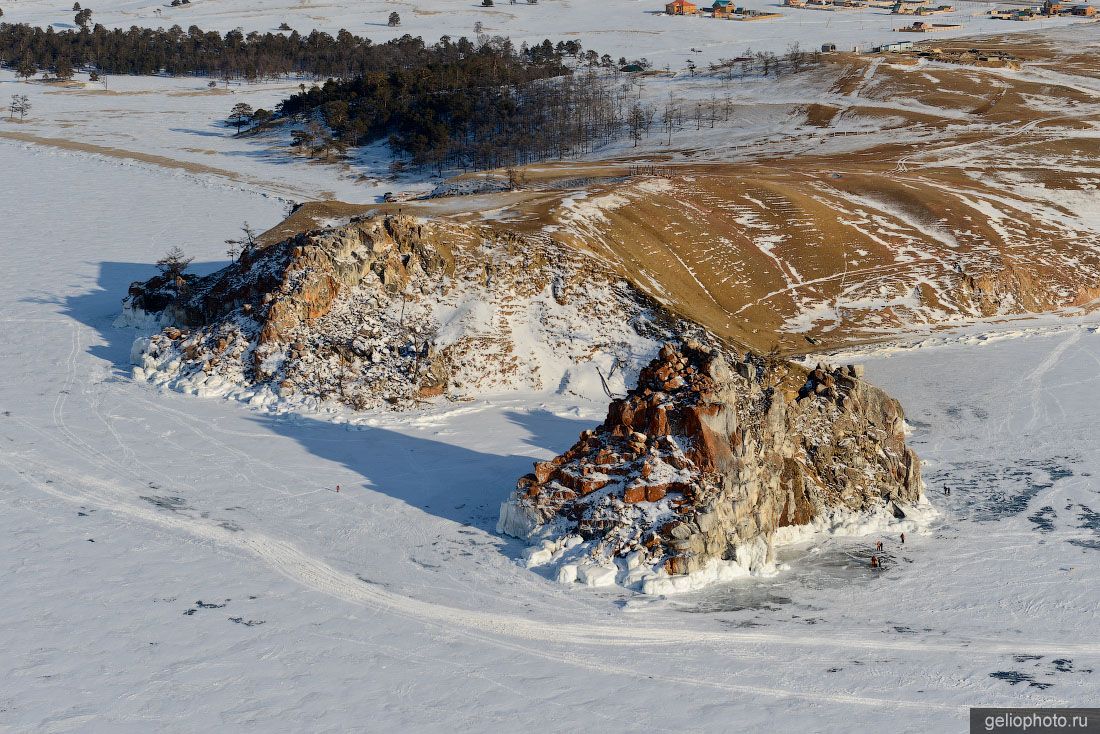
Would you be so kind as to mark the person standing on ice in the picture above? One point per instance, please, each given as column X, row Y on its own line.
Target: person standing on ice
column 874, row 561
column 903, row 538
column 337, row 489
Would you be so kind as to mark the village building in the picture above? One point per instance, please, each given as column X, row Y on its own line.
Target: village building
column 752, row 14
column 725, row 9
column 921, row 27
column 939, row 9
column 681, row 7
column 902, row 7
column 893, row 48
column 722, row 9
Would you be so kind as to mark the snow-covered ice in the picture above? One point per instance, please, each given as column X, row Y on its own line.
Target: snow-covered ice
column 181, row 564
column 630, row 28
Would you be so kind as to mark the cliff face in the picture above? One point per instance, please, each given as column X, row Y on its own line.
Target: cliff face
column 388, row 311
column 705, row 460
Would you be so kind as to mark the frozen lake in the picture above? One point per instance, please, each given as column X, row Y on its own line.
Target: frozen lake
column 176, row 563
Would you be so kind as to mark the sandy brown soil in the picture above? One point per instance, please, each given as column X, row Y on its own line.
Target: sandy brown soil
column 980, row 200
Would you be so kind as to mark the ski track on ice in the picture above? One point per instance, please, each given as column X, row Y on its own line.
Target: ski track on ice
column 1034, row 378
column 505, row 631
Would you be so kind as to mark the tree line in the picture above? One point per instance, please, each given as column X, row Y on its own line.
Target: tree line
column 236, row 55
column 492, row 108
column 481, row 103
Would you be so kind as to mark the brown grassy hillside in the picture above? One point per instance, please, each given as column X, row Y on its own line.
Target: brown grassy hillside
column 913, row 192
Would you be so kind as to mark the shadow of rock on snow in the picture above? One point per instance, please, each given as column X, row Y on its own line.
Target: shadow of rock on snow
column 450, row 481
column 548, row 431
column 99, row 307
column 411, row 464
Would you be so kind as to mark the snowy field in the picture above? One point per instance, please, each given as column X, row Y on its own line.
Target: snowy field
column 180, row 564
column 630, row 28
column 179, row 124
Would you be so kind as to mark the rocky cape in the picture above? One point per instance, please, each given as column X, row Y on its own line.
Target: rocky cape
column 694, row 473
column 690, row 479
column 392, row 311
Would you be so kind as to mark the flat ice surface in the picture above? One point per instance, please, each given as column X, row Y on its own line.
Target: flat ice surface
column 630, row 28
column 176, row 564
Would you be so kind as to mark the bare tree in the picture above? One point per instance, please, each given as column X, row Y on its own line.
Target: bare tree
column 636, row 122
column 671, row 112
column 516, row 179
column 243, row 248
column 796, row 57
column 765, row 60
column 20, row 105
column 746, row 62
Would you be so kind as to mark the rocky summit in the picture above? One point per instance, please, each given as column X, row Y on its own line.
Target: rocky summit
column 703, row 462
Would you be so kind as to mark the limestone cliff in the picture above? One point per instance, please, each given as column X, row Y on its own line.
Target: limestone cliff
column 705, row 460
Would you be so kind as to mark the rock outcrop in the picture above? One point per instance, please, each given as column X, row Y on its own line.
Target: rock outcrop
column 705, row 460
column 388, row 311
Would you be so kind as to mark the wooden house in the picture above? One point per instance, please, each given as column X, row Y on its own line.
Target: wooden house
column 681, row 7
column 907, row 8
column 722, row 9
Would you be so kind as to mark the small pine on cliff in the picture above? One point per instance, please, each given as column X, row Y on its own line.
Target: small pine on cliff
column 694, row 471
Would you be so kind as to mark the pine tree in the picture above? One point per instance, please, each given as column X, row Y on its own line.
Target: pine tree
column 172, row 266
column 243, row 248
column 63, row 69
column 241, row 115
column 26, row 68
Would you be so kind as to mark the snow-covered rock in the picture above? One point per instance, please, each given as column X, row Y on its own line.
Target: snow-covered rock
column 692, row 475
column 391, row 311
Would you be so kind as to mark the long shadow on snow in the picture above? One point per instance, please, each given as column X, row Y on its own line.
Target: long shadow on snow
column 100, row 307
column 451, row 482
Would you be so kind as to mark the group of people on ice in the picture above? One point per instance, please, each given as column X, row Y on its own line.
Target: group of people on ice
column 876, row 562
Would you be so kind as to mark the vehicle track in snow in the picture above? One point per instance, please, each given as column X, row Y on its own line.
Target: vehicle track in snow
column 116, row 487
